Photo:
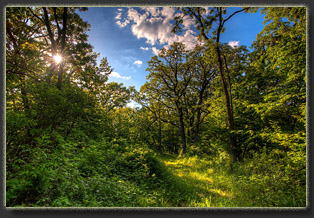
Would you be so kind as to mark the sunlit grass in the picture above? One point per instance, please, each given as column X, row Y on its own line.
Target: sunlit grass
column 205, row 186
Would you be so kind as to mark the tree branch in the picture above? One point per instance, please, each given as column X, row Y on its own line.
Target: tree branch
column 58, row 27
column 29, row 8
column 50, row 33
column 233, row 15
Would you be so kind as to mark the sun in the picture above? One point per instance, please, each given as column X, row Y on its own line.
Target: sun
column 57, row 58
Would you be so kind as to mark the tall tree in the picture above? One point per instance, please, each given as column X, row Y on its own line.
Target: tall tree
column 65, row 33
column 30, row 47
column 169, row 78
column 204, row 25
column 199, row 90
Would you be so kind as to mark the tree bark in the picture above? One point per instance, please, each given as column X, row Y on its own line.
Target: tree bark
column 198, row 112
column 159, row 147
column 232, row 138
column 229, row 82
column 63, row 43
column 182, row 131
column 54, row 47
column 197, row 125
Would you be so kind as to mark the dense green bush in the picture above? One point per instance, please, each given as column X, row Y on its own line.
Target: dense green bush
column 95, row 174
column 271, row 179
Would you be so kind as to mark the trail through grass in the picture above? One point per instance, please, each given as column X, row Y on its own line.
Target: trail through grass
column 198, row 182
column 213, row 182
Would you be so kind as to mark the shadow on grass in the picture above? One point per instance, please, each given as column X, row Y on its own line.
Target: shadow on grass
column 188, row 184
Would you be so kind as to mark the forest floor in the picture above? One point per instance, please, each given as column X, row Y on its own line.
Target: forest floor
column 117, row 175
column 199, row 183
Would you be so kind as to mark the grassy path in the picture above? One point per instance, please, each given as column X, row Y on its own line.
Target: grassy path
column 198, row 183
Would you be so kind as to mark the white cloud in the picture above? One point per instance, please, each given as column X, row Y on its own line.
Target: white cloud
column 103, row 73
column 138, row 62
column 118, row 17
column 234, row 44
column 155, row 24
column 189, row 39
column 122, row 24
column 118, row 76
column 145, row 48
column 168, row 13
column 166, row 47
column 207, row 11
column 154, row 11
column 149, row 29
column 155, row 51
column 188, row 22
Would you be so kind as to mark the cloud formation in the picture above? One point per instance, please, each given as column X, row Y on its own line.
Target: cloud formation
column 138, row 62
column 155, row 24
column 145, row 48
column 118, row 76
column 155, row 51
column 118, row 18
column 122, row 24
column 234, row 44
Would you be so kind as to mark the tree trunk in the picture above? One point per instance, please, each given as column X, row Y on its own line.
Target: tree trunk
column 63, row 42
column 71, row 127
column 182, row 131
column 197, row 125
column 60, row 74
column 159, row 147
column 229, row 82
column 54, row 46
column 24, row 96
column 232, row 139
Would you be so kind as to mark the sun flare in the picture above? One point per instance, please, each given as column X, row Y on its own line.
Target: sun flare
column 57, row 58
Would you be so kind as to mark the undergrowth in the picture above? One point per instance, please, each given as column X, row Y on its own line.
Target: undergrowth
column 120, row 174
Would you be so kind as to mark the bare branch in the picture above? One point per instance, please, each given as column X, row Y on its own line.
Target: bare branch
column 232, row 15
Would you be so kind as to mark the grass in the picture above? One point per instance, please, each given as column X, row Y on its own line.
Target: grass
column 211, row 182
column 116, row 175
column 198, row 182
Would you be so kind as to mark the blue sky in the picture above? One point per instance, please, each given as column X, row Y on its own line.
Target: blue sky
column 129, row 37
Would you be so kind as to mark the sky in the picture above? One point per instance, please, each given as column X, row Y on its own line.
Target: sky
column 130, row 37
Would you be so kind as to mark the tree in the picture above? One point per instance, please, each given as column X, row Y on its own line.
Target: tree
column 178, row 90
column 37, row 98
column 22, row 70
column 204, row 25
column 279, row 61
column 199, row 90
column 169, row 79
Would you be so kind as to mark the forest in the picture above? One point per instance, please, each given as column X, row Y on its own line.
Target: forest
column 217, row 126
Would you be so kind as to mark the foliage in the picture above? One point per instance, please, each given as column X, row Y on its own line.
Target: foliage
column 93, row 174
column 272, row 179
column 71, row 141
